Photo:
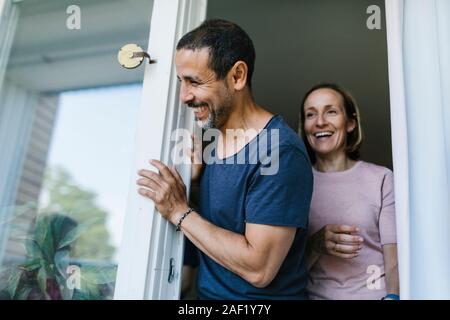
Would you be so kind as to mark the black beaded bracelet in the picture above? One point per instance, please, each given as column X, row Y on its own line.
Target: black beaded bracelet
column 182, row 218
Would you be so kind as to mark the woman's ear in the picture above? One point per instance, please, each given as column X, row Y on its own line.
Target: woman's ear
column 351, row 125
column 239, row 74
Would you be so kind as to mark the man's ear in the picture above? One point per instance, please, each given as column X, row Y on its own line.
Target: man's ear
column 238, row 75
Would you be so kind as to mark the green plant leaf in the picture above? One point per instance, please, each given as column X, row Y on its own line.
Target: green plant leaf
column 13, row 282
column 70, row 237
column 5, row 272
column 62, row 259
column 41, row 228
column 57, row 227
column 45, row 237
column 98, row 275
column 42, row 279
column 80, row 295
column 23, row 293
column 32, row 248
column 60, row 279
column 31, row 265
column 66, row 293
column 73, row 234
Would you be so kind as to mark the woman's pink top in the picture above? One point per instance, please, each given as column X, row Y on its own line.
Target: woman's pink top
column 362, row 196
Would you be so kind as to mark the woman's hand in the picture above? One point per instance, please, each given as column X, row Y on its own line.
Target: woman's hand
column 337, row 240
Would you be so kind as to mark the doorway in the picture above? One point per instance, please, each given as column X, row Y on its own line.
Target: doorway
column 302, row 43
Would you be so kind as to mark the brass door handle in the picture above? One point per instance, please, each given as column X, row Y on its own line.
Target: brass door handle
column 131, row 56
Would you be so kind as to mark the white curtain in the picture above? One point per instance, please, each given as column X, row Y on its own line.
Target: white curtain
column 419, row 74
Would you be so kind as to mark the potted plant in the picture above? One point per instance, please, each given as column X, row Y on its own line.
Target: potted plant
column 49, row 272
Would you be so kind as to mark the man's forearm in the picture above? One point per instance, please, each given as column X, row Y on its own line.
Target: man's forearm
column 229, row 249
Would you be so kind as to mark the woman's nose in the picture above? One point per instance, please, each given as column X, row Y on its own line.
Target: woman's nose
column 321, row 121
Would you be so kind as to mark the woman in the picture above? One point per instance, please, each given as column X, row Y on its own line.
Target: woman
column 352, row 245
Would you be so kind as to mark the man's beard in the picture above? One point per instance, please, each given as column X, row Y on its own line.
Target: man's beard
column 209, row 123
column 217, row 117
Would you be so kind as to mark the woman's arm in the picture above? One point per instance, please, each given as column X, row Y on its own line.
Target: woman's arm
column 391, row 269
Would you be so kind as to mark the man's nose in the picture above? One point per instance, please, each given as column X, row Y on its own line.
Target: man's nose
column 185, row 94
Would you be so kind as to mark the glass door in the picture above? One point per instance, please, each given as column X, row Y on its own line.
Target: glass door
column 68, row 119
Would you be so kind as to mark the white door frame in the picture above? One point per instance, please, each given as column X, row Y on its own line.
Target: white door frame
column 150, row 244
column 394, row 32
column 148, row 240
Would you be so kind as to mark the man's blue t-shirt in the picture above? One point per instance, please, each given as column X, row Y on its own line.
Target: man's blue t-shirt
column 259, row 192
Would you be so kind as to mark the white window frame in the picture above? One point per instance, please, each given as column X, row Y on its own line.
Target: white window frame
column 149, row 242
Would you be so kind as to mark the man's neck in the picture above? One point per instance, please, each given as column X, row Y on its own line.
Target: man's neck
column 244, row 123
column 246, row 115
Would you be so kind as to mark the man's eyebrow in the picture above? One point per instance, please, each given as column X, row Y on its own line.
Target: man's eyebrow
column 190, row 78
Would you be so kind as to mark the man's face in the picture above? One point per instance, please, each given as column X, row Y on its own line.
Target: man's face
column 210, row 98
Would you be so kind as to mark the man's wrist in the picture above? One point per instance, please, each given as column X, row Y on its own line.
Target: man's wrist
column 183, row 216
column 177, row 214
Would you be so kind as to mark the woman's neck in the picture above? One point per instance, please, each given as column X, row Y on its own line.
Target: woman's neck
column 333, row 163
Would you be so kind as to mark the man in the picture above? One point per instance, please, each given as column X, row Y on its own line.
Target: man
column 251, row 227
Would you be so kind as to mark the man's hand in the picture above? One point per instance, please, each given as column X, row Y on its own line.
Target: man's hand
column 337, row 240
column 166, row 189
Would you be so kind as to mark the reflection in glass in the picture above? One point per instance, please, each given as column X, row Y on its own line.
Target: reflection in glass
column 68, row 113
column 60, row 237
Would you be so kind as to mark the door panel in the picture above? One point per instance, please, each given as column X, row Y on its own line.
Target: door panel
column 152, row 269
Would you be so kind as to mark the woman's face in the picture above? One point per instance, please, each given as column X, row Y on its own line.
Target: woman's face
column 326, row 125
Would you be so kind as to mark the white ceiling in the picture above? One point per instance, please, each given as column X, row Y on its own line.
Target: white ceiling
column 48, row 57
